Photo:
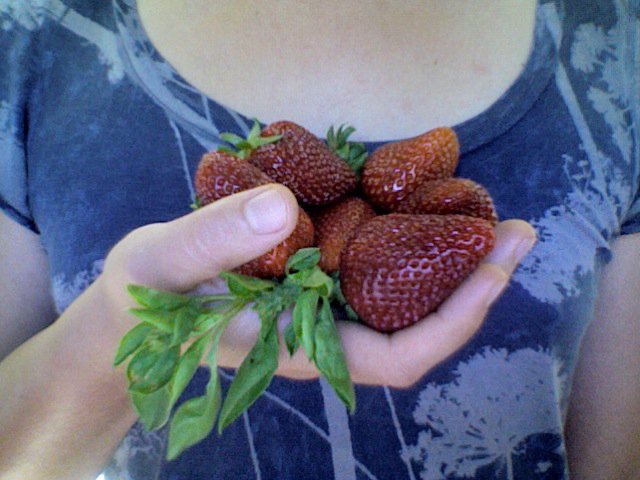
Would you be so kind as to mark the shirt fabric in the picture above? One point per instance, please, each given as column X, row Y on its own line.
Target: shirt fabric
column 100, row 135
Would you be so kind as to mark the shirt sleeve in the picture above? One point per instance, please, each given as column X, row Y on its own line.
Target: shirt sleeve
column 15, row 70
column 631, row 223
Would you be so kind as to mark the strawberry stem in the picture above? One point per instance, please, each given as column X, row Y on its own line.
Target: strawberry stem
column 176, row 331
column 243, row 147
column 354, row 154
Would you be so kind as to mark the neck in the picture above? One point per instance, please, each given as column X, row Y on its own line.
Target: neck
column 415, row 64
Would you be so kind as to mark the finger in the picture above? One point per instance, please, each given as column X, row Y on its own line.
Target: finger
column 408, row 354
column 514, row 239
column 178, row 255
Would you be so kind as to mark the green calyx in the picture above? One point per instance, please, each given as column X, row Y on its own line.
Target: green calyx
column 176, row 333
column 242, row 147
column 354, row 154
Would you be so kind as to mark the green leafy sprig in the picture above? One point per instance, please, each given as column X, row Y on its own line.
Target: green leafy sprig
column 242, row 147
column 353, row 153
column 176, row 333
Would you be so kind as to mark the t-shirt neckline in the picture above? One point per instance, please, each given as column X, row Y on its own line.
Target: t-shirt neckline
column 188, row 106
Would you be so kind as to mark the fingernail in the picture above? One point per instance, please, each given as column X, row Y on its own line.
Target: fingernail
column 523, row 248
column 266, row 212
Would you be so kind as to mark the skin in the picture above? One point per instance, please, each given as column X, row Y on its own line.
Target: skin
column 43, row 407
column 415, row 64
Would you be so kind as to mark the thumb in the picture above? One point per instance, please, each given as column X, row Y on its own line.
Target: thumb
column 180, row 254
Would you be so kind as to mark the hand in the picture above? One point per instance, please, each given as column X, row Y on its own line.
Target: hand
column 403, row 357
column 89, row 411
column 188, row 252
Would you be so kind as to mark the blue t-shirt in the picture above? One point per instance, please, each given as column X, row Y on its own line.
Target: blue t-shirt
column 99, row 135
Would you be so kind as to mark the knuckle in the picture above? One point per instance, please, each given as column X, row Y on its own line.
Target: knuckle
column 127, row 256
column 200, row 248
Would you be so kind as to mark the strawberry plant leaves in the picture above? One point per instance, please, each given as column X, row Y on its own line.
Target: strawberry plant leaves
column 231, row 138
column 187, row 366
column 154, row 408
column 244, row 286
column 151, row 369
column 253, row 376
column 130, row 342
column 195, row 418
column 353, row 153
column 290, row 339
column 157, row 299
column 183, row 325
column 304, row 320
column 303, row 259
column 329, row 356
column 271, row 305
column 319, row 281
column 228, row 150
column 161, row 319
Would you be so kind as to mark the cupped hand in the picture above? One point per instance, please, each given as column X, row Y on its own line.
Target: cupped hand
column 401, row 358
column 185, row 254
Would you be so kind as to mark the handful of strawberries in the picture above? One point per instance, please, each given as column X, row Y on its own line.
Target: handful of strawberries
column 388, row 236
column 401, row 231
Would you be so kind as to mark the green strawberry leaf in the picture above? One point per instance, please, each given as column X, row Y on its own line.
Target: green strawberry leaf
column 161, row 319
column 339, row 297
column 255, row 129
column 228, row 151
column 353, row 153
column 151, row 369
column 130, row 342
column 253, row 376
column 290, row 339
column 195, row 418
column 187, row 366
column 195, row 205
column 154, row 408
column 304, row 320
column 320, row 281
column 244, row 146
column 303, row 259
column 244, row 286
column 183, row 325
column 329, row 356
column 157, row 299
column 231, row 138
column 351, row 314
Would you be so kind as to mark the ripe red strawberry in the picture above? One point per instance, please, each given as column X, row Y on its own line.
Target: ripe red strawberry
column 400, row 267
column 302, row 162
column 394, row 171
column 220, row 174
column 335, row 225
column 450, row 196
column 272, row 263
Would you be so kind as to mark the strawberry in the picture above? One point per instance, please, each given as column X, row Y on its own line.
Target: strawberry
column 450, row 196
column 220, row 174
column 273, row 263
column 400, row 267
column 301, row 161
column 394, row 171
column 334, row 227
